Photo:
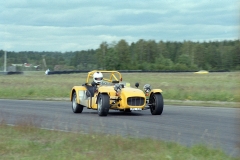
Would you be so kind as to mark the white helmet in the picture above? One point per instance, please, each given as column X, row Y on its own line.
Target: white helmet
column 97, row 77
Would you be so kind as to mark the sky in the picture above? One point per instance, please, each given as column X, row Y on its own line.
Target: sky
column 74, row 25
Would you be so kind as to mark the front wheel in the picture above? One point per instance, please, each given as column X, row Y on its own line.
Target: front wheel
column 76, row 108
column 103, row 104
column 156, row 103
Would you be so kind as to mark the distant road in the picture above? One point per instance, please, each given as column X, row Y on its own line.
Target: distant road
column 187, row 125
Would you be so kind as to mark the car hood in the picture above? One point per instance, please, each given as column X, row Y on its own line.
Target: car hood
column 134, row 90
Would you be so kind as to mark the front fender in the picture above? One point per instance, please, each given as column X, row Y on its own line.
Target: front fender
column 107, row 89
column 156, row 91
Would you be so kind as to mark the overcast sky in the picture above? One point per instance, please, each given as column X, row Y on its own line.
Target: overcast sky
column 71, row 25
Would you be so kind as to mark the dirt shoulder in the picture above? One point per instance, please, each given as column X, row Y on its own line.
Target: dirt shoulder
column 204, row 103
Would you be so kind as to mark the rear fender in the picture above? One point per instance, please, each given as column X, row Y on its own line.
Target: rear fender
column 77, row 90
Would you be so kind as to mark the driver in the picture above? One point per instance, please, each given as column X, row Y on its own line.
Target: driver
column 97, row 78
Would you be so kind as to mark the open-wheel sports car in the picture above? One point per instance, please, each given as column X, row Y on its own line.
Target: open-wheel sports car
column 105, row 90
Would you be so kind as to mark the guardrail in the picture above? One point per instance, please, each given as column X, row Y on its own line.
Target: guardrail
column 10, row 73
column 65, row 72
column 127, row 71
column 122, row 71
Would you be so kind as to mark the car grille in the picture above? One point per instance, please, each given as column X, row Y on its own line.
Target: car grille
column 135, row 101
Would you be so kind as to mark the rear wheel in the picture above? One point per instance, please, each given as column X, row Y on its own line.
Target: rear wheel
column 103, row 104
column 156, row 103
column 76, row 108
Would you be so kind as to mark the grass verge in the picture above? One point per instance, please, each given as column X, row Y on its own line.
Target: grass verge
column 28, row 142
column 191, row 87
column 183, row 88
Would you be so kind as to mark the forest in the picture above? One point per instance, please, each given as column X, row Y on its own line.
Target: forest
column 146, row 55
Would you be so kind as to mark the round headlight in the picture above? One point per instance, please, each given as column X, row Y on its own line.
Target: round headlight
column 117, row 87
column 147, row 88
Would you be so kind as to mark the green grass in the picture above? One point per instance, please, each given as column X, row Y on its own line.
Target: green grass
column 27, row 142
column 189, row 86
column 176, row 86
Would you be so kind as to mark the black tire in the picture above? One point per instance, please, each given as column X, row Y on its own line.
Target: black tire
column 76, row 108
column 103, row 104
column 156, row 103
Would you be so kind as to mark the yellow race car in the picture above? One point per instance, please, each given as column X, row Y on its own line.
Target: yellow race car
column 105, row 90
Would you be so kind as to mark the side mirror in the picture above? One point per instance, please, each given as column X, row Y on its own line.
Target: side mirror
column 137, row 84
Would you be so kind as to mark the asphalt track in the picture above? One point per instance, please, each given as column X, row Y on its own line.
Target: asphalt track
column 187, row 125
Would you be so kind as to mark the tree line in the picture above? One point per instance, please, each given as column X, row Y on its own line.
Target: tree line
column 140, row 55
